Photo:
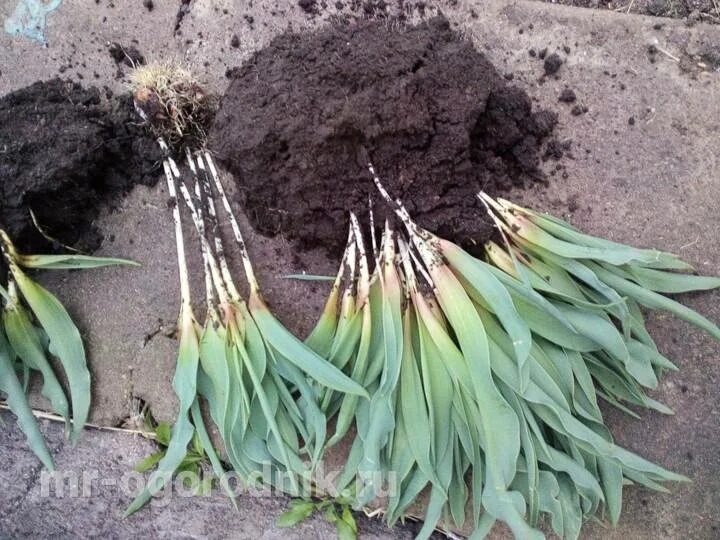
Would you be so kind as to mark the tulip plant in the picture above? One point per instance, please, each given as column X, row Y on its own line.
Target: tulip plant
column 475, row 381
column 35, row 327
column 261, row 383
column 485, row 376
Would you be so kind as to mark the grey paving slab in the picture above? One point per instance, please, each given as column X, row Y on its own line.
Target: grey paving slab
column 652, row 182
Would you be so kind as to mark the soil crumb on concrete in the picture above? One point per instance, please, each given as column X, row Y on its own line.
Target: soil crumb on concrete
column 308, row 6
column 183, row 9
column 66, row 150
column 552, row 64
column 567, row 96
column 127, row 55
column 437, row 119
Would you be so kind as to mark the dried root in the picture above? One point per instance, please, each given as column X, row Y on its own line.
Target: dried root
column 173, row 103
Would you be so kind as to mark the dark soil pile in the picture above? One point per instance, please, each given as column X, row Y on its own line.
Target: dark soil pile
column 437, row 119
column 65, row 150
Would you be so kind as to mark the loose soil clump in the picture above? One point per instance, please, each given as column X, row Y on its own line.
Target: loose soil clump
column 66, row 150
column 128, row 56
column 436, row 118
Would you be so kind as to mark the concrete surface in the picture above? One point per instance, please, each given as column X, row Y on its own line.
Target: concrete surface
column 87, row 496
column 652, row 183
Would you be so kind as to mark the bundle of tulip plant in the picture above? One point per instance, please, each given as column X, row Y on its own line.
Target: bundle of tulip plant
column 485, row 377
column 476, row 381
column 254, row 374
column 35, row 327
column 261, row 383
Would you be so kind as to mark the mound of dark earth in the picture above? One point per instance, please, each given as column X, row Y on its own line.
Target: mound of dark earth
column 437, row 119
column 64, row 151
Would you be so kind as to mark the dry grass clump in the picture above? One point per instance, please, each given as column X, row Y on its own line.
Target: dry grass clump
column 174, row 104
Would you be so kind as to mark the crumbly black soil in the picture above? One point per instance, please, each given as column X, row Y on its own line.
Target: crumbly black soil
column 129, row 56
column 439, row 122
column 64, row 151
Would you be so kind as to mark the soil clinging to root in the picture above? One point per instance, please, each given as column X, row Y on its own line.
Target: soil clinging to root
column 437, row 119
column 66, row 150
